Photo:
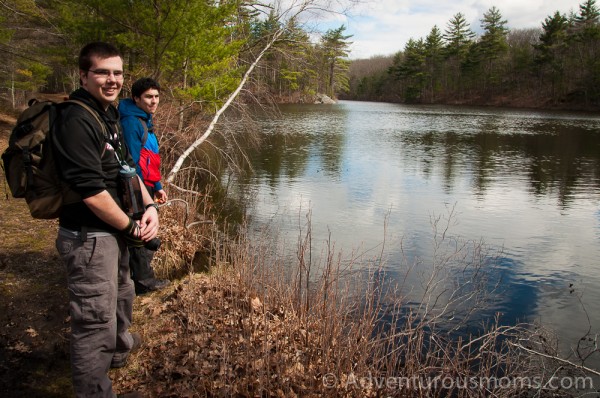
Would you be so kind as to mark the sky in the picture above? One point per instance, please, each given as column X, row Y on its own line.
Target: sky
column 382, row 27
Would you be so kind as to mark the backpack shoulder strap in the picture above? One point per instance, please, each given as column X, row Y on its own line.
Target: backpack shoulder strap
column 88, row 108
column 145, row 126
column 91, row 111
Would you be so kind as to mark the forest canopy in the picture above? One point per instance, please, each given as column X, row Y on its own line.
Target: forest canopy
column 555, row 65
column 198, row 49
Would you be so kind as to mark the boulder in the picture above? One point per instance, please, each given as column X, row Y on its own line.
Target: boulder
column 324, row 99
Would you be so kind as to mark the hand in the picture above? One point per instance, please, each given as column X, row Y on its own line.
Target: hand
column 161, row 196
column 149, row 224
column 132, row 230
column 131, row 234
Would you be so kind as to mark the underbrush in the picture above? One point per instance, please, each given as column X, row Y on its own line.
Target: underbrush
column 258, row 326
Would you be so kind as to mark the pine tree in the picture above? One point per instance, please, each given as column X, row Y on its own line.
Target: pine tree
column 192, row 46
column 410, row 67
column 458, row 39
column 492, row 43
column 553, row 40
column 434, row 46
column 487, row 55
column 588, row 14
column 550, row 55
column 585, row 36
column 334, row 49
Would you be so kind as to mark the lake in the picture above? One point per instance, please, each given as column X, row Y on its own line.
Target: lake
column 526, row 183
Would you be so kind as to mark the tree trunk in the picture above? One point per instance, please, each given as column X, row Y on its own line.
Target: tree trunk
column 203, row 137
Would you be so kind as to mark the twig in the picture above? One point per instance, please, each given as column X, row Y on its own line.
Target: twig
column 183, row 189
column 580, row 367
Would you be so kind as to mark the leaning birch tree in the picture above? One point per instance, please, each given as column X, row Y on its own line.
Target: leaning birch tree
column 286, row 14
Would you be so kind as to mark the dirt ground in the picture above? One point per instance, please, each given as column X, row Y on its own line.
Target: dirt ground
column 33, row 306
column 34, row 313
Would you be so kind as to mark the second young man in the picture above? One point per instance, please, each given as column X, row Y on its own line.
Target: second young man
column 138, row 130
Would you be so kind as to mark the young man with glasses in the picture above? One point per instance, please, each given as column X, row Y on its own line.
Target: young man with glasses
column 92, row 231
column 136, row 120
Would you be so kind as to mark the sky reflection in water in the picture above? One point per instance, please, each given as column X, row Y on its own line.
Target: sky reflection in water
column 524, row 181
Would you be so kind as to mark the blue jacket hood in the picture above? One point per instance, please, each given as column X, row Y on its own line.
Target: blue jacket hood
column 128, row 108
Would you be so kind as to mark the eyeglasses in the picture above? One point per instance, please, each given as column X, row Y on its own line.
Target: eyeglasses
column 105, row 73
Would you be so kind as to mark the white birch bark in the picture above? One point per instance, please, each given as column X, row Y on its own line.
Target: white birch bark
column 211, row 126
column 287, row 10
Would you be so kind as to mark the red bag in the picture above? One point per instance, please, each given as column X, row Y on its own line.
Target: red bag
column 150, row 166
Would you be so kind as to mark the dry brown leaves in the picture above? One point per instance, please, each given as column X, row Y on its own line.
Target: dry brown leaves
column 33, row 303
column 209, row 338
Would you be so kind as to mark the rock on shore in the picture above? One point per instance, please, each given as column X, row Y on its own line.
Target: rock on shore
column 324, row 99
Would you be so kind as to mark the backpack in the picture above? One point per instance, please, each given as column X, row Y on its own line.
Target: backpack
column 149, row 161
column 29, row 164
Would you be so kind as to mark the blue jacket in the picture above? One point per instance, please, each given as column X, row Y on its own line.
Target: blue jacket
column 133, row 132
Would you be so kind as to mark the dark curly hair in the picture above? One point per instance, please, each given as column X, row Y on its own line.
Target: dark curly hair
column 142, row 85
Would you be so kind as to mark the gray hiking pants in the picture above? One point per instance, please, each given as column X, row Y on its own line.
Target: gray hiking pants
column 101, row 298
column 140, row 259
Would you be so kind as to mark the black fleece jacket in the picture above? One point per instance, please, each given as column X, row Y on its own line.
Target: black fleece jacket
column 86, row 160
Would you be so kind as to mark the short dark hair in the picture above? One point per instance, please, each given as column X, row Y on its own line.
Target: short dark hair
column 142, row 85
column 99, row 49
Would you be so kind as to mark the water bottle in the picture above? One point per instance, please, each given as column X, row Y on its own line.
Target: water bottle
column 133, row 204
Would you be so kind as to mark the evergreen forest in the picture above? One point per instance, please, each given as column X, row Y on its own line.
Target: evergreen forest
column 555, row 66
column 198, row 49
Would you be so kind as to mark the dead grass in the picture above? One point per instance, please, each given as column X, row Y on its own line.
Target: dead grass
column 254, row 327
column 209, row 338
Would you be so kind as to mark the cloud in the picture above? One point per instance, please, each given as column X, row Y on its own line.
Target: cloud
column 383, row 27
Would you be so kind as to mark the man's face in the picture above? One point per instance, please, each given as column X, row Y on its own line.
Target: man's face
column 148, row 102
column 104, row 79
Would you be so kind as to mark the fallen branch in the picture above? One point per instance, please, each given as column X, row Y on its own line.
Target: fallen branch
column 185, row 190
column 187, row 213
column 580, row 367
